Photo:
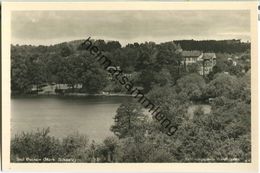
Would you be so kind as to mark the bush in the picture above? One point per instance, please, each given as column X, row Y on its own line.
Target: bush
column 76, row 146
column 35, row 146
column 40, row 147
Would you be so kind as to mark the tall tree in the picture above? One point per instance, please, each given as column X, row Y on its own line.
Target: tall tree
column 128, row 119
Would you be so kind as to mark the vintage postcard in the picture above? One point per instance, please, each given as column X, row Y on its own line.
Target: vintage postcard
column 129, row 86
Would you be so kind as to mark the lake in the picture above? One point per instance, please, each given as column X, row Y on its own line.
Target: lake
column 88, row 115
column 91, row 115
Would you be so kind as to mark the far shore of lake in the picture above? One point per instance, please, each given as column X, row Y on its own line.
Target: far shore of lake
column 76, row 94
column 85, row 94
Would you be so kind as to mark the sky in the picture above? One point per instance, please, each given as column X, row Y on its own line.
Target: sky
column 51, row 27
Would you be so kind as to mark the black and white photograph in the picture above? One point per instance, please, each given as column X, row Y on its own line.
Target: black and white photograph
column 131, row 86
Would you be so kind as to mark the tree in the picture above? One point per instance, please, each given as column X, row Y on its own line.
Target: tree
column 223, row 46
column 91, row 74
column 128, row 120
column 169, row 57
column 223, row 85
column 172, row 105
column 107, row 150
column 76, row 146
column 20, row 82
column 192, row 85
column 163, row 78
column 113, row 45
column 35, row 145
column 236, row 70
column 168, row 54
column 65, row 50
column 36, row 71
column 193, row 68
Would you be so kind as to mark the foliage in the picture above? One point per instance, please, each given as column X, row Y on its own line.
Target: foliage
column 35, row 145
column 192, row 86
column 193, row 68
column 156, row 64
column 222, row 135
column 222, row 46
column 128, row 119
column 76, row 146
column 228, row 86
column 107, row 150
column 40, row 145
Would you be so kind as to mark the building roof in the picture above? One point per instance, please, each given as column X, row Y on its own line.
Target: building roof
column 209, row 55
column 191, row 53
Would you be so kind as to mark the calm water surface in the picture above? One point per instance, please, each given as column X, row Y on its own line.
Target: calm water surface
column 91, row 116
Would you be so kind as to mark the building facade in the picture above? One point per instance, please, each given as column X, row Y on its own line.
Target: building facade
column 205, row 61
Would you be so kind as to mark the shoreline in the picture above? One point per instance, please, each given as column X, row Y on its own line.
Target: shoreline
column 74, row 94
column 108, row 95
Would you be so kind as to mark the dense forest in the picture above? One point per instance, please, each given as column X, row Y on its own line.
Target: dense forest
column 223, row 135
column 223, row 46
column 149, row 64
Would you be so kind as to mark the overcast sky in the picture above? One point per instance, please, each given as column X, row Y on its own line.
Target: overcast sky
column 50, row 27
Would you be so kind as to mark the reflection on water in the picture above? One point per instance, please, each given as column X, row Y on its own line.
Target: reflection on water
column 92, row 116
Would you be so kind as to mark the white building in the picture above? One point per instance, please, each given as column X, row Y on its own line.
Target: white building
column 206, row 61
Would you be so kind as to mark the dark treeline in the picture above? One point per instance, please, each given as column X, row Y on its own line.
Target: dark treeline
column 222, row 46
column 149, row 64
